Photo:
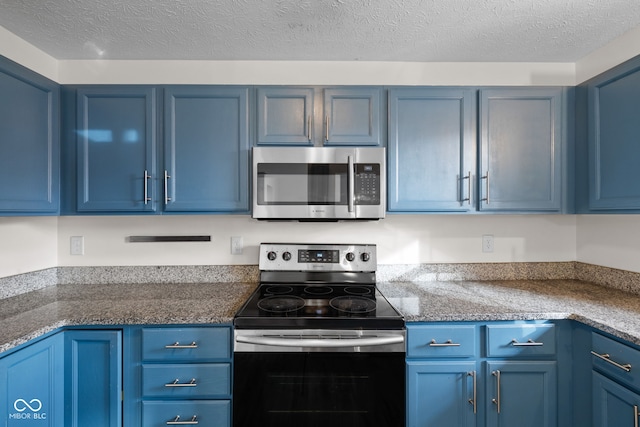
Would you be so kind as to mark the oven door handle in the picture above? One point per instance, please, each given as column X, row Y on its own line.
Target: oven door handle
column 320, row 342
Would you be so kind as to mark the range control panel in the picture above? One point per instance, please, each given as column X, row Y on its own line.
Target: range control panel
column 317, row 257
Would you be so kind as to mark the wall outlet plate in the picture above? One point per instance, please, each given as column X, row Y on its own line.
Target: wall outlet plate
column 237, row 245
column 487, row 243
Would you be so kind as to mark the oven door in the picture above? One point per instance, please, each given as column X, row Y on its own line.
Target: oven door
column 319, row 389
column 317, row 183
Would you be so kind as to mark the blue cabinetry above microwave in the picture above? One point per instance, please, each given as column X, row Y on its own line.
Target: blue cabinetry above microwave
column 308, row 116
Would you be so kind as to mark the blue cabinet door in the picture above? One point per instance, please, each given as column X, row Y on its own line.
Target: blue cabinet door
column 521, row 394
column 431, row 148
column 206, row 149
column 521, row 149
column 613, row 404
column 116, row 149
column 29, row 142
column 32, row 385
column 613, row 105
column 285, row 116
column 441, row 394
column 93, row 378
column 352, row 116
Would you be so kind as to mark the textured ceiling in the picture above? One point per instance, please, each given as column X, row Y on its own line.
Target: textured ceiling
column 366, row 30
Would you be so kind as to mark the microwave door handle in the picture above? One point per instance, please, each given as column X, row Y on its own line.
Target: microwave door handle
column 351, row 182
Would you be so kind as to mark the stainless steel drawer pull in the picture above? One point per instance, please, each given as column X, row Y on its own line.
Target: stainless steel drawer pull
column 178, row 345
column 176, row 421
column 177, row 383
column 447, row 343
column 529, row 343
column 607, row 358
column 635, row 415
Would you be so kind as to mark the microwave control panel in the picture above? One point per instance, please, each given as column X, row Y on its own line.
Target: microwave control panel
column 367, row 184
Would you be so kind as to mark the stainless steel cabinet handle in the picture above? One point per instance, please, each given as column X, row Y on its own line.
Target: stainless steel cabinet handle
column 447, row 343
column 486, row 199
column 529, row 343
column 167, row 199
column 473, row 401
column 468, row 178
column 635, row 415
column 146, row 187
column 178, row 345
column 352, row 184
column 626, row 367
column 496, row 400
column 177, row 383
column 309, row 128
column 326, row 129
column 176, row 421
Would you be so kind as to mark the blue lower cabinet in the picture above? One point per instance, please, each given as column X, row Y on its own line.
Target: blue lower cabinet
column 613, row 404
column 93, row 380
column 453, row 385
column 204, row 412
column 32, row 385
column 521, row 394
column 197, row 380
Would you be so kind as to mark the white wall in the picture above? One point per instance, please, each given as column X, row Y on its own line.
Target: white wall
column 27, row 244
column 609, row 240
column 401, row 239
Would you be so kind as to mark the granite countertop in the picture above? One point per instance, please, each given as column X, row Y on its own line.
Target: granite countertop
column 610, row 310
column 27, row 316
column 30, row 315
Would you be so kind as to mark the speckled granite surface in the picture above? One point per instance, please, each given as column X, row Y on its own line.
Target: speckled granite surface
column 27, row 316
column 34, row 304
column 611, row 310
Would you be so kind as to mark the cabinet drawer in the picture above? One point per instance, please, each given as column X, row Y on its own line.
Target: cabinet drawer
column 441, row 341
column 521, row 340
column 622, row 362
column 190, row 381
column 207, row 413
column 186, row 344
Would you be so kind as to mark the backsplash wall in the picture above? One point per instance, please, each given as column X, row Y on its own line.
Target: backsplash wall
column 401, row 239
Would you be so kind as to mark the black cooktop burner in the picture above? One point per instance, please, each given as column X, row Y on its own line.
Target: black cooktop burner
column 317, row 306
column 353, row 304
column 281, row 304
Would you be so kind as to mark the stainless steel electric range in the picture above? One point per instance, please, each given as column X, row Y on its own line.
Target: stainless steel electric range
column 317, row 343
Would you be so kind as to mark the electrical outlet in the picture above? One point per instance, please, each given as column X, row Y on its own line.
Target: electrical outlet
column 487, row 243
column 236, row 245
column 77, row 245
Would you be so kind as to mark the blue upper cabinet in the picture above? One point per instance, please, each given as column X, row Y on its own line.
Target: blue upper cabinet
column 206, row 149
column 431, row 149
column 116, row 149
column 29, row 142
column 352, row 116
column 613, row 129
column 308, row 116
column 521, row 150
column 285, row 116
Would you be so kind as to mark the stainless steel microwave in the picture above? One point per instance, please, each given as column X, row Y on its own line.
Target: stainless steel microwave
column 319, row 183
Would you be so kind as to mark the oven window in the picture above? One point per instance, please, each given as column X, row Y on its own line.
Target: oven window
column 319, row 389
column 302, row 184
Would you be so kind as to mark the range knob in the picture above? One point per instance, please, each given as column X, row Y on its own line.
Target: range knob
column 286, row 256
column 350, row 256
column 271, row 256
column 365, row 256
